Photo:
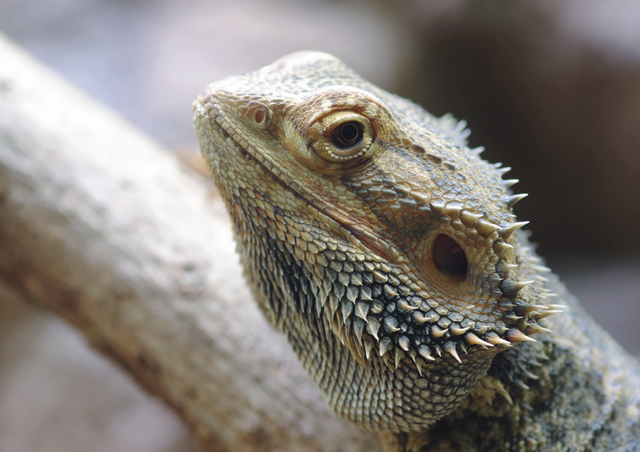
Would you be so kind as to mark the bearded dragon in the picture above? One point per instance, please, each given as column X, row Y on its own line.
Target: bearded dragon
column 387, row 251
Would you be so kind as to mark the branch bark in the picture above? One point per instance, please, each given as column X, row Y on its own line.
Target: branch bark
column 109, row 231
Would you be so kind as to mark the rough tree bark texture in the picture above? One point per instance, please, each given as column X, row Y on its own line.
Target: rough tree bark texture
column 102, row 226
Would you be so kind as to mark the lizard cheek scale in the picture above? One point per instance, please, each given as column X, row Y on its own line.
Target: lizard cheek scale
column 381, row 245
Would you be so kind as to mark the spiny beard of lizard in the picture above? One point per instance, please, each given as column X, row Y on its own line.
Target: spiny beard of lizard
column 371, row 235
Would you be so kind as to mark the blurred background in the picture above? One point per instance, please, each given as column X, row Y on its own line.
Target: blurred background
column 551, row 89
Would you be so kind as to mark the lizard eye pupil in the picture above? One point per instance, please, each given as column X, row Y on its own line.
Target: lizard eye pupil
column 347, row 135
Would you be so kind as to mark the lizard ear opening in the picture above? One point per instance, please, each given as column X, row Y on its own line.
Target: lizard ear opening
column 449, row 258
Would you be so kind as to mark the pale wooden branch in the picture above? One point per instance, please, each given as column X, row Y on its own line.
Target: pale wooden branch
column 110, row 232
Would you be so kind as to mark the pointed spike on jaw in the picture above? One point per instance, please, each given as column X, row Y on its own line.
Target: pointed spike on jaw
column 347, row 309
column 515, row 335
column 362, row 309
column 458, row 331
column 487, row 382
column 506, row 270
column 472, row 339
column 438, row 332
column 501, row 247
column 486, row 228
column 352, row 293
column 541, row 268
column 368, row 345
column 425, row 352
column 450, row 348
column 511, row 288
column 508, row 183
column 469, row 218
column 406, row 307
column 506, row 305
column 385, row 345
column 530, row 375
column 512, row 200
column 512, row 317
column 373, row 326
column 525, row 308
column 503, row 171
column 523, row 284
column 399, row 356
column 403, row 342
column 477, row 151
column 391, row 324
column 545, row 314
column 497, row 384
column 420, row 317
column 496, row 340
column 506, row 232
column 535, row 329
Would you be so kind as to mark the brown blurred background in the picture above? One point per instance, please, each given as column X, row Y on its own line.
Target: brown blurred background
column 551, row 89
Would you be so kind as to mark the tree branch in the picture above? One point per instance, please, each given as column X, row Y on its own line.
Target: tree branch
column 108, row 230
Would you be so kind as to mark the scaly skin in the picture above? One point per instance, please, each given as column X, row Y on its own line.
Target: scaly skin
column 387, row 252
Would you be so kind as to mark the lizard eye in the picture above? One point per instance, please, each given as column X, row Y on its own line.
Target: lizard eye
column 346, row 135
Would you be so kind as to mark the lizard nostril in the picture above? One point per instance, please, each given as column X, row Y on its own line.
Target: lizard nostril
column 449, row 258
column 259, row 116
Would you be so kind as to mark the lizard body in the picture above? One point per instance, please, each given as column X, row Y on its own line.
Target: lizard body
column 388, row 254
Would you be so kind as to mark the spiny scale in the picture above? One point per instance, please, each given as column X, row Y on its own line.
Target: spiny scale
column 450, row 348
column 506, row 231
column 511, row 200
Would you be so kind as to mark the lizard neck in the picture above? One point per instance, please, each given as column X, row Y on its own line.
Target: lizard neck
column 377, row 393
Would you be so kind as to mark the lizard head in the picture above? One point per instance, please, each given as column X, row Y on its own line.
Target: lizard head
column 363, row 221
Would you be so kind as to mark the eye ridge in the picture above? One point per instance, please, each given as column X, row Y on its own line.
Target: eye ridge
column 347, row 135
